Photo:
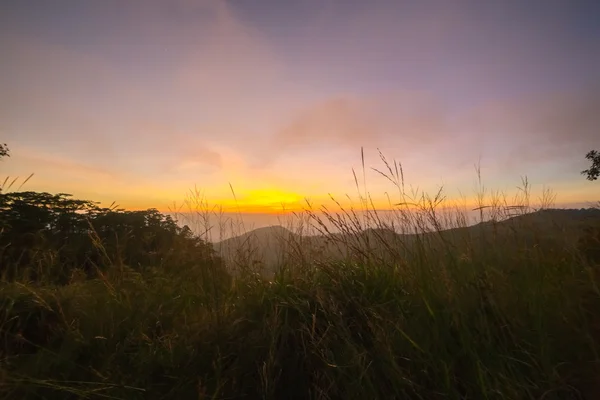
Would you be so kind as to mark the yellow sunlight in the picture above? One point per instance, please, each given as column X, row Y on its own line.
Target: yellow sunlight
column 264, row 201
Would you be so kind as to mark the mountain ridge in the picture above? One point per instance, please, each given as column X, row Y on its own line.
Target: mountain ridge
column 276, row 244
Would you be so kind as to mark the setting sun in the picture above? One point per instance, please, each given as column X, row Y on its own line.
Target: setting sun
column 264, row 201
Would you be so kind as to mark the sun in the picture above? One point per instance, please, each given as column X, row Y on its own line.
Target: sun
column 265, row 200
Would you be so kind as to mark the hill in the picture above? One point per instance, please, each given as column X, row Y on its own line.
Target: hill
column 270, row 247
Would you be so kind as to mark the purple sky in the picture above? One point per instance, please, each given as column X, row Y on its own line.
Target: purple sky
column 138, row 101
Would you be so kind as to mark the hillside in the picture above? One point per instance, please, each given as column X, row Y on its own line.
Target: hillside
column 275, row 246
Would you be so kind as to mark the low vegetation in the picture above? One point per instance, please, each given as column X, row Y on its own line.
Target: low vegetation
column 417, row 304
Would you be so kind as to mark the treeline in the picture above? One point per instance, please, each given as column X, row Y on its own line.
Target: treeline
column 53, row 237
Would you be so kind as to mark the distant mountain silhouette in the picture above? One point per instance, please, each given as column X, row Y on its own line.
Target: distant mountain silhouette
column 274, row 246
column 266, row 245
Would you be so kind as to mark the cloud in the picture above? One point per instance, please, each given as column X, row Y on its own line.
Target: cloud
column 552, row 128
column 172, row 149
column 188, row 90
column 62, row 100
column 228, row 62
column 411, row 120
column 431, row 137
column 47, row 161
column 199, row 156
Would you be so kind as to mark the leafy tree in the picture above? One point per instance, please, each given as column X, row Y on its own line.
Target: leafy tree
column 4, row 151
column 48, row 236
column 594, row 171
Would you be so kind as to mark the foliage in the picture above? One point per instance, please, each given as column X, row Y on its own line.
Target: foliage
column 465, row 314
column 49, row 236
column 504, row 325
column 589, row 244
column 4, row 150
column 594, row 171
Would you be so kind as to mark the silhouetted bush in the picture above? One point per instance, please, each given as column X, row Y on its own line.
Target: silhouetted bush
column 589, row 244
column 48, row 237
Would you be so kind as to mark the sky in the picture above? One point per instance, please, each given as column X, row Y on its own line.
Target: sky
column 138, row 102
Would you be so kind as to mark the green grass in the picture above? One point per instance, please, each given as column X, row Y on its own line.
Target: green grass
column 494, row 313
column 440, row 325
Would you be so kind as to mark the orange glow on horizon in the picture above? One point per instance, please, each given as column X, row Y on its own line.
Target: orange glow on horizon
column 258, row 201
column 274, row 201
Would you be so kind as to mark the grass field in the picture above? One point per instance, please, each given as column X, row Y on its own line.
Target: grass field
column 495, row 311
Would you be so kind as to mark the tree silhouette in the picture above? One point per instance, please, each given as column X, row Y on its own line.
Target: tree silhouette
column 594, row 171
column 49, row 235
column 4, row 151
column 46, row 237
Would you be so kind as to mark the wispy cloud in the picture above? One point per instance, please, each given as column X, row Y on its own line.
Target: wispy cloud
column 538, row 129
column 227, row 60
column 42, row 163
column 169, row 94
column 410, row 121
column 199, row 157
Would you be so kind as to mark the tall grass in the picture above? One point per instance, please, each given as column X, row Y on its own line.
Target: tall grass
column 506, row 309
